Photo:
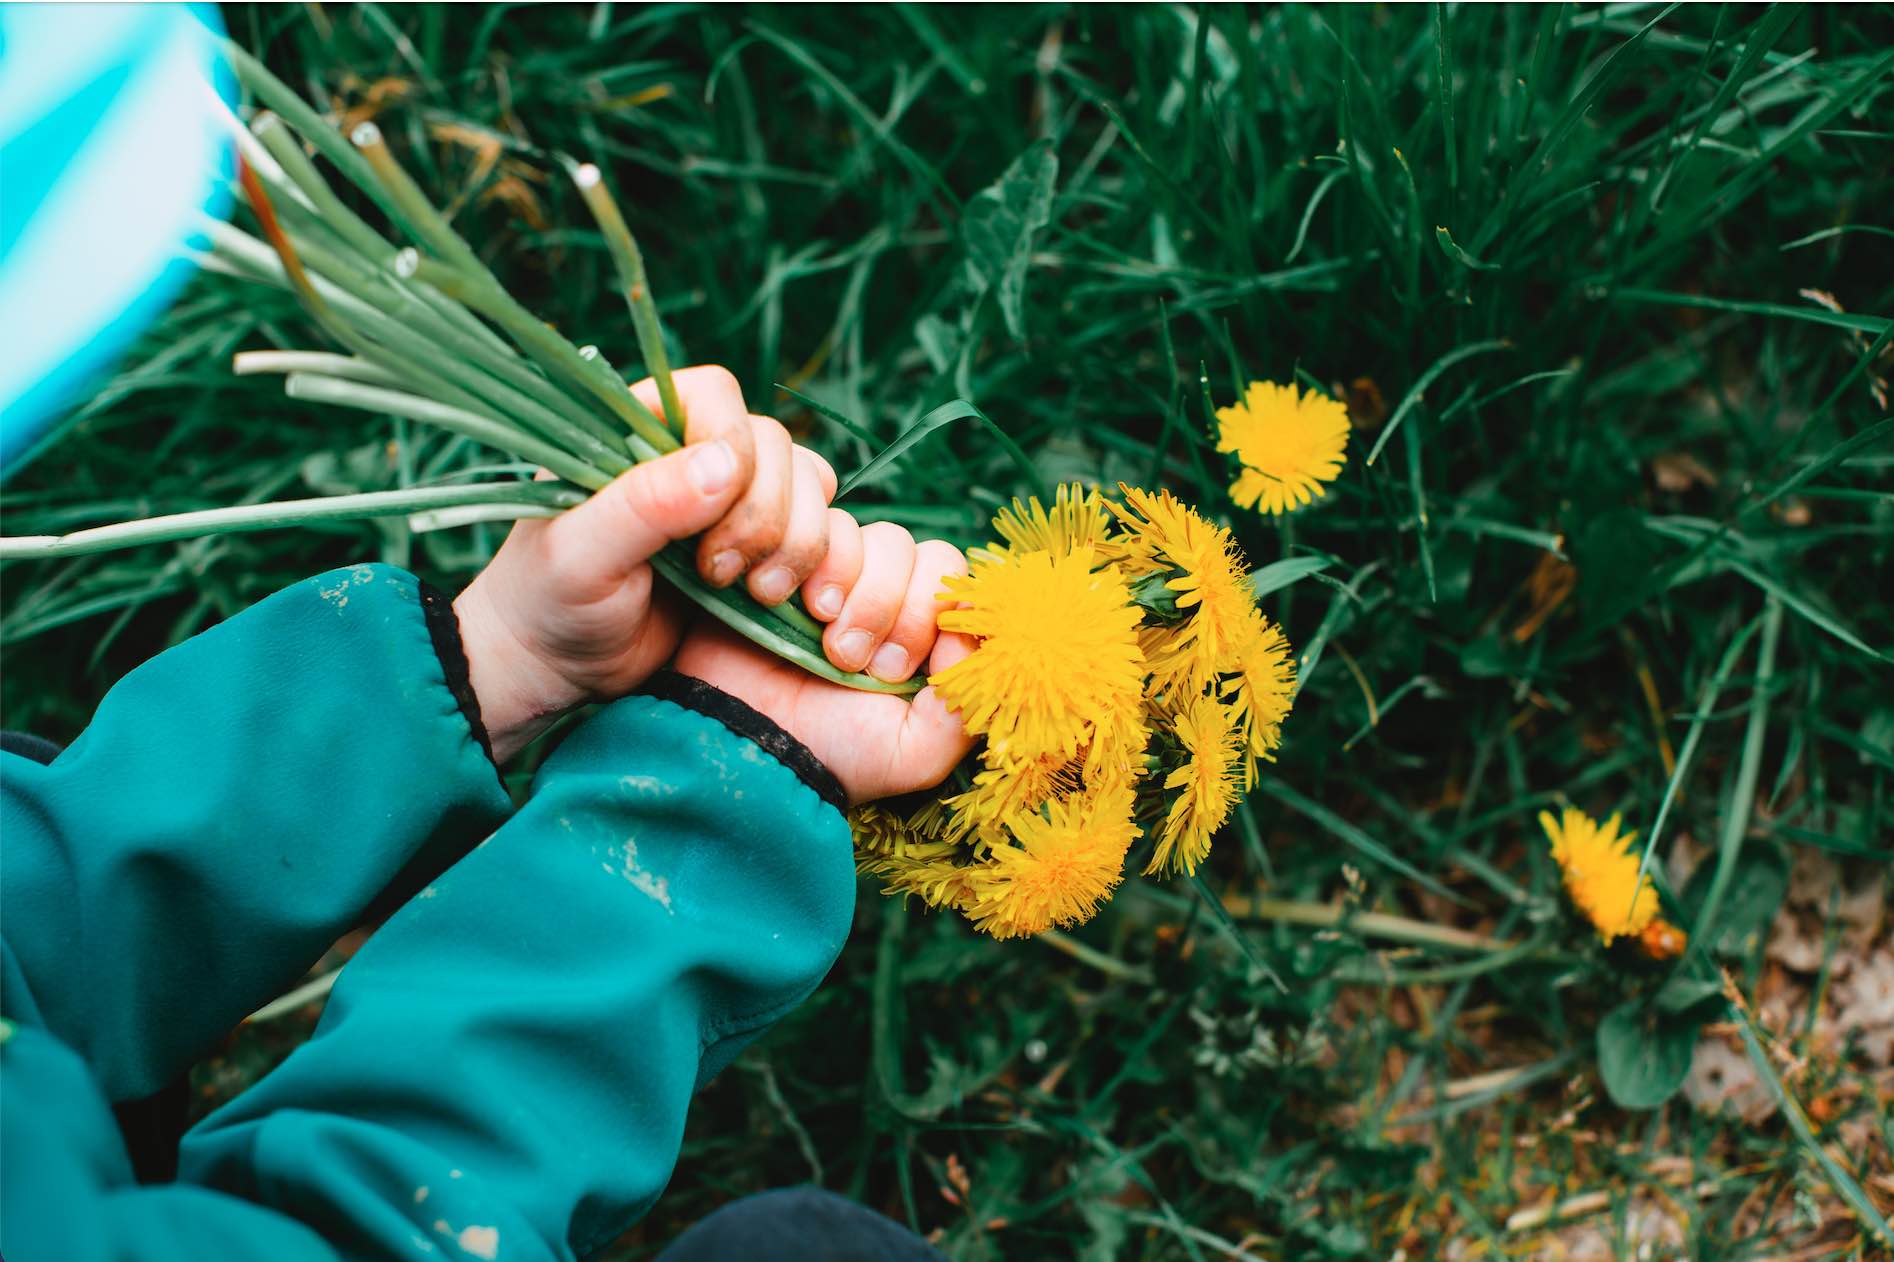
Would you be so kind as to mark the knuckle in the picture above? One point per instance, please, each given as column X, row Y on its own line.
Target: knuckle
column 841, row 525
column 711, row 377
column 943, row 556
column 769, row 429
column 869, row 608
column 806, row 557
column 887, row 533
column 755, row 530
column 818, row 464
column 651, row 498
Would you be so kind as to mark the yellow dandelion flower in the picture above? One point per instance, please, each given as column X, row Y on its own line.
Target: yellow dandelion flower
column 1260, row 683
column 1205, row 573
column 879, row 832
column 936, row 873
column 1062, row 864
column 1058, row 665
column 909, row 854
column 1601, row 873
column 1209, row 733
column 1006, row 788
column 1076, row 520
column 1289, row 443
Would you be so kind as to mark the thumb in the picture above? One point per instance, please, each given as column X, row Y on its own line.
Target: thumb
column 932, row 739
column 650, row 504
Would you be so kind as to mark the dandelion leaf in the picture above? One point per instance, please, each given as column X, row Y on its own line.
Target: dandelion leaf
column 1756, row 891
column 1643, row 1054
column 1000, row 225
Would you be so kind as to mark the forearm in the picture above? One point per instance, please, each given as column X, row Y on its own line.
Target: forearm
column 234, row 806
column 514, row 1051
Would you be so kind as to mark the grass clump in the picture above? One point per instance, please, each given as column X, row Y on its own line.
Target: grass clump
column 1605, row 293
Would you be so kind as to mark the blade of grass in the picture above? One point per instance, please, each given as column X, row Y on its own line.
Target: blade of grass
column 1838, row 1178
column 946, row 414
column 1352, row 836
column 1418, row 391
column 1742, row 799
column 1706, row 705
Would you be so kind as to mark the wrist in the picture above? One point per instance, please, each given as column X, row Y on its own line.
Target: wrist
column 519, row 694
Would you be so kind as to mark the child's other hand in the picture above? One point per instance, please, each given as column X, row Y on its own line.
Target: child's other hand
column 875, row 744
column 564, row 612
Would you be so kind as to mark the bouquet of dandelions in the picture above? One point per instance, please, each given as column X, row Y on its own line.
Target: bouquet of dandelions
column 1124, row 683
column 1125, row 686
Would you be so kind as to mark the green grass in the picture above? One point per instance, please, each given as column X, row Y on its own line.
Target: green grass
column 1563, row 246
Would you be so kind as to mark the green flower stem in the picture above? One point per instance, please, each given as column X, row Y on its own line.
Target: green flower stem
column 644, row 312
column 346, row 367
column 453, row 378
column 744, row 616
column 419, row 305
column 788, row 612
column 1109, row 965
column 484, row 294
column 282, row 145
column 442, row 379
column 374, row 249
column 470, row 514
column 1372, row 924
column 552, row 352
column 795, row 617
column 290, row 1001
column 314, row 128
column 446, row 378
column 485, row 429
column 458, row 382
column 326, row 214
column 505, row 365
column 1374, row 970
column 532, row 498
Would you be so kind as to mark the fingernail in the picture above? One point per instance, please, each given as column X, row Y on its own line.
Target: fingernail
column 725, row 566
column 712, row 466
column 827, row 602
column 774, row 584
column 851, row 648
column 891, row 663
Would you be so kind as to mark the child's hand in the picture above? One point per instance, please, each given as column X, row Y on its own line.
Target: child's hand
column 876, row 745
column 564, row 612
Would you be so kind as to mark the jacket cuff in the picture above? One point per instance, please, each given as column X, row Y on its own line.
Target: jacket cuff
column 712, row 702
column 443, row 630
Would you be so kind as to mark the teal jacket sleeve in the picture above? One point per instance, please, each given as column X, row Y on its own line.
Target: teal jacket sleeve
column 503, row 1070
column 234, row 806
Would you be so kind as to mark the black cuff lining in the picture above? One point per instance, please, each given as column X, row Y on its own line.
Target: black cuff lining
column 443, row 628
column 714, row 703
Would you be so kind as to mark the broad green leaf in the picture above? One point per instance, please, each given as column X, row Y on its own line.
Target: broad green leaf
column 1756, row 890
column 1000, row 225
column 1643, row 1055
